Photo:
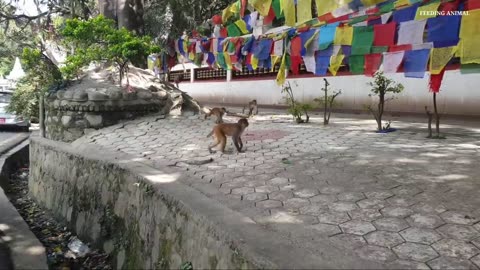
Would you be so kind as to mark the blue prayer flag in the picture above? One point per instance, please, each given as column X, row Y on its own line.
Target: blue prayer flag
column 443, row 28
column 326, row 35
column 415, row 63
column 321, row 64
column 405, row 14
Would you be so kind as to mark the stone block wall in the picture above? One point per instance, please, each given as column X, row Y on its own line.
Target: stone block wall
column 141, row 225
column 71, row 114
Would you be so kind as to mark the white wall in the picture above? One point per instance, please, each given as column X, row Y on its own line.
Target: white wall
column 459, row 94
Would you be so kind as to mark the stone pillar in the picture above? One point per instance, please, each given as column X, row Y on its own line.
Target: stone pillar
column 192, row 75
column 41, row 120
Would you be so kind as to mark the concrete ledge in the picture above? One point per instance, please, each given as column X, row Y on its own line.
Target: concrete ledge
column 146, row 218
column 26, row 251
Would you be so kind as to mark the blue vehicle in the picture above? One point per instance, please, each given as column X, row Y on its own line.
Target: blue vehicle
column 8, row 119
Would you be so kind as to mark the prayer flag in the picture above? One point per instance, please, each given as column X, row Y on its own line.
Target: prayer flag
column 277, row 9
column 379, row 49
column 416, row 63
column 443, row 28
column 288, row 7
column 427, row 11
column 304, row 10
column 269, row 19
column 411, row 32
column 372, row 63
column 262, row 6
column 396, row 48
column 335, row 63
column 343, row 35
column 321, row 65
column 436, row 81
column 309, row 61
column 357, row 64
column 384, row 34
column 385, row 17
column 242, row 26
column 469, row 36
column 326, row 6
column 440, row 57
column 281, row 72
column 391, row 61
column 233, row 30
column 405, row 14
column 327, row 35
column 362, row 40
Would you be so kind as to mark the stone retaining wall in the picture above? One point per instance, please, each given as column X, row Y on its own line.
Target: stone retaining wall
column 142, row 221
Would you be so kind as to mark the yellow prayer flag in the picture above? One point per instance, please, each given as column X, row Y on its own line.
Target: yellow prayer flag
column 254, row 62
column 275, row 59
column 439, row 58
column 428, row 11
column 304, row 10
column 262, row 6
column 326, row 6
column 343, row 35
column 400, row 3
column 288, row 7
column 369, row 3
column 228, row 61
column 229, row 12
column 281, row 72
column 335, row 63
column 469, row 33
column 242, row 26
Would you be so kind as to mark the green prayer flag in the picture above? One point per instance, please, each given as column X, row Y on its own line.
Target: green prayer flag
column 357, row 64
column 221, row 61
column 362, row 40
column 379, row 49
column 233, row 30
column 277, row 10
column 358, row 19
column 387, row 7
column 469, row 68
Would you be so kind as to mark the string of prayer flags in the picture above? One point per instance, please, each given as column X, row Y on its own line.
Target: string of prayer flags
column 443, row 28
column 436, row 81
column 405, row 14
column 322, row 63
column 233, row 30
column 469, row 36
column 411, row 32
column 391, row 61
column 386, row 6
column 288, row 7
column 372, row 63
column 306, row 37
column 397, row 48
column 427, row 45
column 362, row 40
column 304, row 10
column 327, row 35
column 427, row 11
column 343, row 35
column 357, row 64
column 262, row 51
column 440, row 57
column 242, row 26
column 384, row 34
column 335, row 63
column 379, row 49
column 415, row 63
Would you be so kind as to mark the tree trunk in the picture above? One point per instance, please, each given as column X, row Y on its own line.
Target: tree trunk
column 437, row 117
column 325, row 101
column 130, row 15
column 108, row 8
column 380, row 111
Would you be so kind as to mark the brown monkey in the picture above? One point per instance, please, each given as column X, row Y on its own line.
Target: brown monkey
column 218, row 112
column 235, row 130
column 252, row 105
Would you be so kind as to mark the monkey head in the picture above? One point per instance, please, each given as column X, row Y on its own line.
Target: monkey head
column 243, row 122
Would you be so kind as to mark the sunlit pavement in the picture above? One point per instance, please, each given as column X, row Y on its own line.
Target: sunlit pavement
column 396, row 198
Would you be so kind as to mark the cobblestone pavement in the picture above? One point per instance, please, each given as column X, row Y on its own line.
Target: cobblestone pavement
column 398, row 198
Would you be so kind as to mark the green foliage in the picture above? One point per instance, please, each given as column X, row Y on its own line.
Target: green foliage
column 296, row 109
column 97, row 39
column 41, row 75
column 383, row 85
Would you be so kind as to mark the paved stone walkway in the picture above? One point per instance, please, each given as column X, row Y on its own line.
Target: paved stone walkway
column 397, row 198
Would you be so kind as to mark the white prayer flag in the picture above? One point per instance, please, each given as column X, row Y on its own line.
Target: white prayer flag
column 391, row 61
column 411, row 32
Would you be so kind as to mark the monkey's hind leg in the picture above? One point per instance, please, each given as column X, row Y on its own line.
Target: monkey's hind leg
column 217, row 141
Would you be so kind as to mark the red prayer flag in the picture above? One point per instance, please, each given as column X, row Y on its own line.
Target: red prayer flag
column 384, row 34
column 224, row 32
column 396, row 48
column 339, row 19
column 372, row 63
column 449, row 6
column 270, row 17
column 248, row 60
column 326, row 17
column 296, row 61
column 296, row 46
column 243, row 7
column 472, row 4
column 436, row 81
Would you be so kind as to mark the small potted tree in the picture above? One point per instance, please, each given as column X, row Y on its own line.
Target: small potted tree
column 381, row 87
column 327, row 102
